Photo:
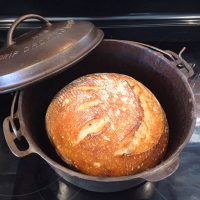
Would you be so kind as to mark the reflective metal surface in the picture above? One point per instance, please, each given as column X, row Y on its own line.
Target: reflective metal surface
column 120, row 21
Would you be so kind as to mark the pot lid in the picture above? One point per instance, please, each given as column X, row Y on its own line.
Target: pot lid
column 44, row 52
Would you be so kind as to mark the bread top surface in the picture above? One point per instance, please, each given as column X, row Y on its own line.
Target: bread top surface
column 99, row 120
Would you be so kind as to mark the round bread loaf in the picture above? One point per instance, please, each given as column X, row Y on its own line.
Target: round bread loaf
column 107, row 124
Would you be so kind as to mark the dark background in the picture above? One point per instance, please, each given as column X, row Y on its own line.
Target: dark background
column 96, row 7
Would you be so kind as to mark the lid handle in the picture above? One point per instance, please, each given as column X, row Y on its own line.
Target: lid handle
column 18, row 21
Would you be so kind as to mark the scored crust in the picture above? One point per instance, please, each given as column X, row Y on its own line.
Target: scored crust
column 107, row 124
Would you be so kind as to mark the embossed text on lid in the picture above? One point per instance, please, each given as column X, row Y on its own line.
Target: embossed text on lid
column 45, row 52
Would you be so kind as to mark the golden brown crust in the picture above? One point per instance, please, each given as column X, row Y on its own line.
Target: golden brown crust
column 107, row 125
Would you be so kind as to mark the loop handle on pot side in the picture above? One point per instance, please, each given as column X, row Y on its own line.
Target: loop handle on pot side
column 11, row 140
column 182, row 64
column 14, row 116
column 12, row 133
column 179, row 61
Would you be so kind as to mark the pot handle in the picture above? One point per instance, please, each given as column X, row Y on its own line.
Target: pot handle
column 177, row 59
column 164, row 171
column 11, row 138
column 21, row 19
column 13, row 134
column 186, row 68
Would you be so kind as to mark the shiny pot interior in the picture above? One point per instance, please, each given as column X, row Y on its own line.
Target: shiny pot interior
column 156, row 72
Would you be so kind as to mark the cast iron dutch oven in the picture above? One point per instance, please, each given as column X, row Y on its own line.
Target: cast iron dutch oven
column 54, row 48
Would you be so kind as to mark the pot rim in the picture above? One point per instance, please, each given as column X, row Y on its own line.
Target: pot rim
column 155, row 170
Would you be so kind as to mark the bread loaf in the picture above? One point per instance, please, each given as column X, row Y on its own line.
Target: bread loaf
column 107, row 124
